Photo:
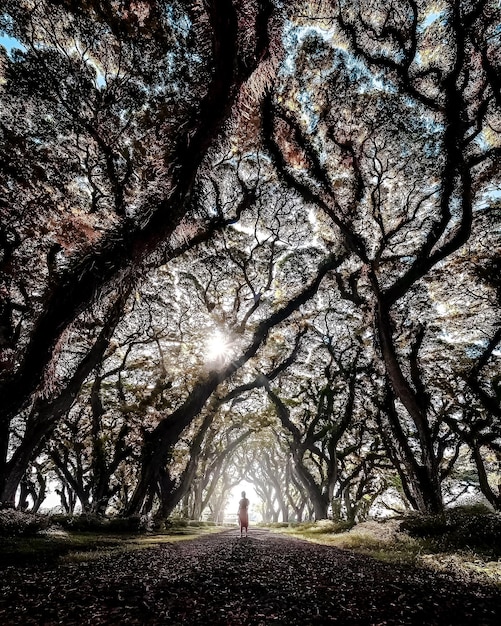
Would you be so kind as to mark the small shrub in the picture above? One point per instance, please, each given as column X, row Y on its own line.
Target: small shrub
column 93, row 523
column 81, row 523
column 424, row 526
column 64, row 521
column 126, row 524
column 159, row 525
column 305, row 526
column 458, row 528
column 477, row 508
column 17, row 523
column 326, row 526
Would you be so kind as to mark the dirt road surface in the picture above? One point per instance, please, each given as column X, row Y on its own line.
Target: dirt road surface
column 224, row 580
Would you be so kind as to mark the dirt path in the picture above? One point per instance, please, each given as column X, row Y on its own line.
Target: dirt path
column 222, row 579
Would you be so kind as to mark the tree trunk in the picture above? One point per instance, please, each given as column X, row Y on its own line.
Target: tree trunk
column 423, row 475
column 159, row 442
column 493, row 496
column 128, row 249
column 45, row 415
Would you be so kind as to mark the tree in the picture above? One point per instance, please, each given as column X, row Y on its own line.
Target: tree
column 167, row 432
column 209, row 205
column 405, row 170
column 98, row 77
column 476, row 422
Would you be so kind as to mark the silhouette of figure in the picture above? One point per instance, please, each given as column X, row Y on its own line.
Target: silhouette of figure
column 243, row 514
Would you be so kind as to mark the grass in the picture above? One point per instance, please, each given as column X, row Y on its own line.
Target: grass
column 385, row 542
column 463, row 542
column 88, row 546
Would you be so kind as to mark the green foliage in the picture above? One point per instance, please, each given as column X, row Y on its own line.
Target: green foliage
column 93, row 523
column 56, row 545
column 16, row 523
column 412, row 542
column 106, row 119
column 311, row 527
column 181, row 526
column 458, row 529
column 179, row 522
column 325, row 526
column 49, row 547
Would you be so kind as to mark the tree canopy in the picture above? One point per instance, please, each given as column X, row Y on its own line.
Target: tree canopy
column 250, row 239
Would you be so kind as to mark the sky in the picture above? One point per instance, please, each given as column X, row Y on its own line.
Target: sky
column 10, row 43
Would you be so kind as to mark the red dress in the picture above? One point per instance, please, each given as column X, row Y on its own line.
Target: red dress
column 243, row 514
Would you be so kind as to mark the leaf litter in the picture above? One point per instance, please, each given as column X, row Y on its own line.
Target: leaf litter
column 224, row 580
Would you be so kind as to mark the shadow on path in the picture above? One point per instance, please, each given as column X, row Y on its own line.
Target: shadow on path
column 225, row 580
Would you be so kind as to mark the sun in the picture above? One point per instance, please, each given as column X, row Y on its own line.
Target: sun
column 218, row 348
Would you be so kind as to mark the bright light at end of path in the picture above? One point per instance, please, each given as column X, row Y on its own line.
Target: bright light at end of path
column 231, row 509
column 218, row 347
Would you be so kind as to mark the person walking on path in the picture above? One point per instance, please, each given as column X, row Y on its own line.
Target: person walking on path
column 243, row 514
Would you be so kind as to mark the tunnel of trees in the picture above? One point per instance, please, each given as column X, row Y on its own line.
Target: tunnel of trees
column 250, row 240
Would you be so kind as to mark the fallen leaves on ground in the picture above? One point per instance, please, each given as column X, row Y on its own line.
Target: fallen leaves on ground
column 224, row 580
